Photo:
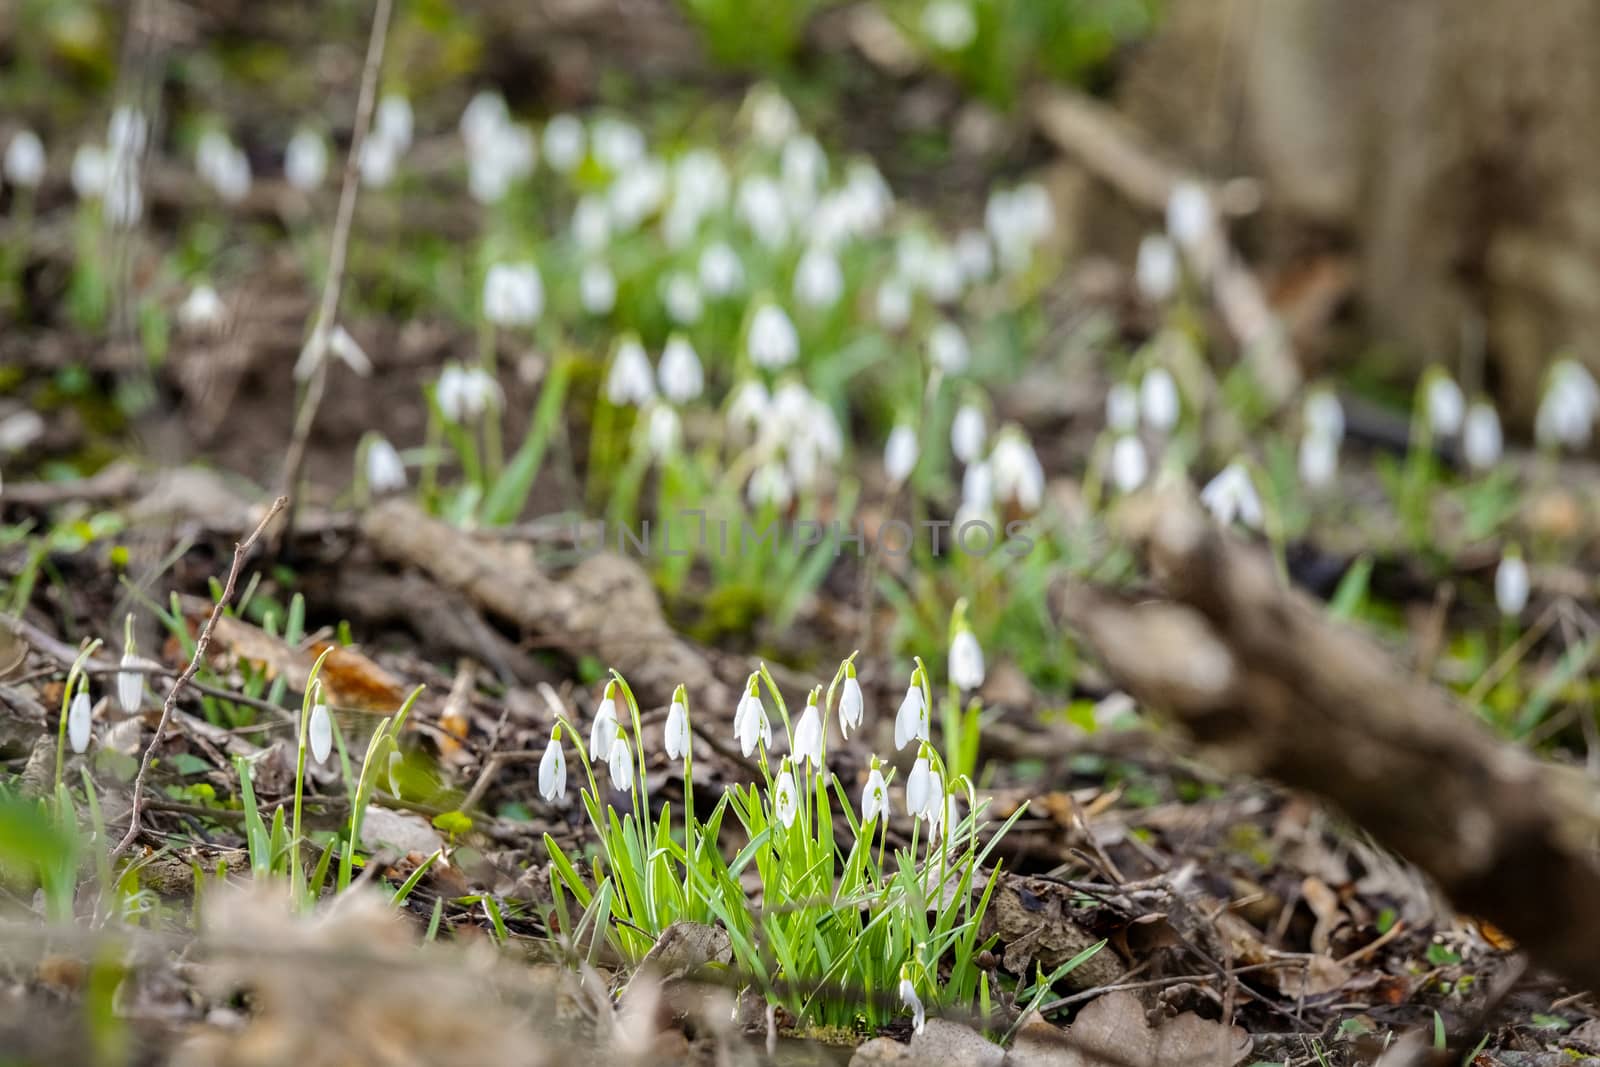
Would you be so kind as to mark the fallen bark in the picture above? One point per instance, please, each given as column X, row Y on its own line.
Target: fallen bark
column 1268, row 685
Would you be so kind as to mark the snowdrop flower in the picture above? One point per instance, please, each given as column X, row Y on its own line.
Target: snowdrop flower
column 130, row 681
column 919, row 787
column 597, row 289
column 974, row 255
column 748, row 406
column 770, row 485
column 940, row 274
column 90, row 167
column 631, row 380
column 513, row 294
column 386, row 471
column 911, row 721
column 676, row 739
column 123, row 202
column 803, row 166
column 604, row 728
column 967, row 432
column 1122, row 408
column 1017, row 221
column 721, row 272
column 1155, row 271
column 1231, row 495
column 893, row 304
column 908, row 997
column 1445, row 405
column 564, row 138
column 682, row 298
column 484, row 114
column 320, row 732
column 681, row 377
column 380, row 158
column 394, row 121
column 977, row 496
column 785, row 798
column 818, row 281
column 1129, row 466
column 772, row 341
column 1018, row 475
column 79, row 719
column 591, row 224
column 949, row 24
column 1158, row 400
column 1481, row 440
column 966, row 660
column 760, row 206
column 662, row 431
column 1511, row 583
column 465, row 394
column 948, row 819
column 1568, row 408
column 553, row 769
column 808, row 734
column 127, row 131
column 223, row 166
column 24, row 161
column 851, row 705
column 1191, row 217
column 874, row 795
column 619, row 758
column 345, row 348
column 900, row 454
column 947, row 347
column 750, row 724
column 618, row 145
column 305, row 160
column 202, row 309
column 637, row 193
column 1319, row 459
column 505, row 155
column 772, row 119
column 1324, row 415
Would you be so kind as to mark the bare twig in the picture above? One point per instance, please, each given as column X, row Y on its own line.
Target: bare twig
column 333, row 284
column 201, row 645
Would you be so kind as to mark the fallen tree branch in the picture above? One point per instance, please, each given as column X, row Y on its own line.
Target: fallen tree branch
column 1268, row 685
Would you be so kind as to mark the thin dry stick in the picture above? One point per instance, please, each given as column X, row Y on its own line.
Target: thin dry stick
column 201, row 644
column 333, row 284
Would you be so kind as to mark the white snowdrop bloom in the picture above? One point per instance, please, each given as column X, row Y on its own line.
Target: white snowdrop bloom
column 772, row 341
column 24, row 161
column 808, row 734
column 919, row 787
column 700, row 183
column 591, row 224
column 123, row 202
column 464, row 394
column 833, row 222
column 911, row 720
column 127, row 131
column 760, row 206
column 80, row 715
column 947, row 347
column 1445, row 404
column 966, row 660
column 1155, row 271
column 941, row 275
column 1481, row 439
column 1018, row 475
column 513, row 294
column 1018, row 220
column 617, row 144
column 967, row 433
column 908, row 997
column 305, row 160
column 222, row 165
column 818, row 280
column 949, row 819
column 750, row 724
column 949, row 24
column 772, row 118
column 874, row 795
column 682, row 298
column 900, row 454
column 619, row 759
column 680, row 374
column 749, row 406
column 974, row 255
column 202, row 309
column 597, row 289
column 506, row 155
column 803, row 167
column 977, row 487
column 893, row 304
column 934, row 808
column 662, row 431
column 130, row 683
column 1511, row 583
column 604, row 728
column 90, row 167
column 675, row 738
column 345, row 348
column 721, row 271
column 1567, row 410
column 785, row 797
column 870, row 194
column 631, row 380
column 379, row 161
column 564, row 143
column 1319, row 459
column 770, row 486
column 319, row 733
column 1158, row 400
column 1122, row 408
column 393, row 121
column 1324, row 415
column 1231, row 496
column 386, row 471
column 852, row 707
column 1191, row 217
column 638, row 193
column 485, row 113
column 1129, row 465
column 553, row 772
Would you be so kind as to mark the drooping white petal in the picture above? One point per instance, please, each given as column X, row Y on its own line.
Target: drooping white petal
column 1231, row 496
column 1481, row 438
column 908, row 997
column 386, row 471
column 79, row 719
column 1129, row 466
column 24, row 160
column 603, row 730
column 874, row 797
column 305, row 160
column 785, row 798
column 680, row 374
column 619, row 758
column 631, row 380
column 675, row 738
column 553, row 772
column 900, row 454
column 967, row 432
column 1158, row 400
column 1018, row 475
column 966, row 661
column 851, row 706
column 947, row 347
column 772, row 340
column 130, row 684
column 319, row 733
column 911, row 721
column 808, row 736
column 919, row 785
column 1511, row 584
column 1445, row 404
column 1319, row 460
column 1155, row 271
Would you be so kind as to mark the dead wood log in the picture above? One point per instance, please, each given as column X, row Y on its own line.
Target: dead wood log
column 1268, row 685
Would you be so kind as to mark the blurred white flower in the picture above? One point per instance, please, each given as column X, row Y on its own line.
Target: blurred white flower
column 680, row 374
column 748, row 407
column 202, row 309
column 966, row 660
column 485, row 113
column 851, row 705
column 1122, row 408
column 893, row 303
column 465, row 394
column 949, row 24
column 1155, row 272
column 597, row 289
column 818, row 281
column 1445, row 404
column 1018, row 475
column 564, row 143
column 721, row 272
column 344, row 347
column 223, row 166
column 975, row 255
column 770, row 486
column 874, row 795
column 808, row 734
column 662, row 430
column 772, row 341
column 699, row 189
column 386, row 471
column 947, row 347
column 804, row 167
column 967, row 433
column 617, row 144
column 24, row 161
column 90, row 167
column 1018, row 221
column 900, row 454
column 977, row 489
column 553, row 772
column 1192, row 219
column 380, row 158
column 513, row 294
column 760, row 206
column 1324, row 415
column 1232, row 495
column 591, row 224
column 682, row 298
column 940, row 274
column 394, row 121
column 1511, row 583
column 772, row 119
column 1481, row 440
column 123, row 201
column 619, row 760
column 305, row 160
column 911, row 720
column 675, row 738
column 127, row 131
column 637, row 193
column 502, row 156
column 603, row 731
column 1319, row 459
column 784, row 797
column 1568, row 408
column 1129, row 465
column 1158, row 400
column 631, row 380
column 80, row 715
column 908, row 997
